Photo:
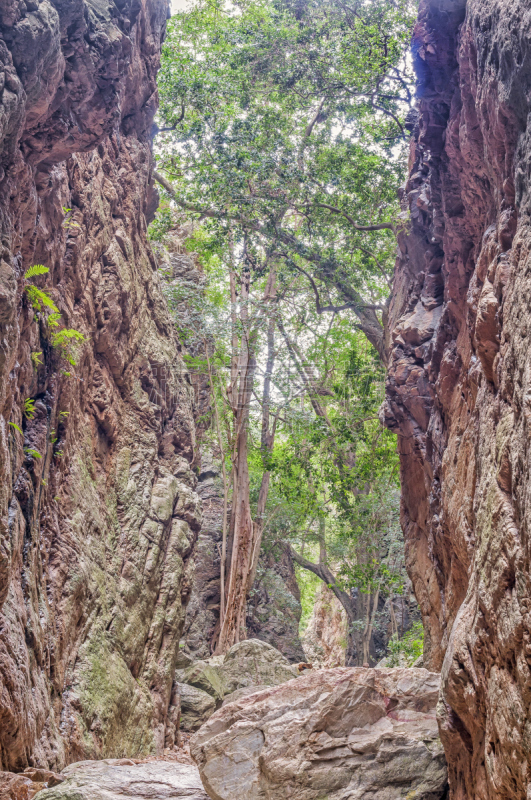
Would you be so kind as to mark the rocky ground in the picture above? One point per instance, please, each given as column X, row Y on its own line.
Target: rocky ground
column 343, row 734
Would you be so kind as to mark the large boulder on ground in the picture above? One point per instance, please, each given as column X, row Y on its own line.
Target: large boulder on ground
column 338, row 734
column 196, row 707
column 248, row 663
column 118, row 779
column 204, row 676
column 254, row 663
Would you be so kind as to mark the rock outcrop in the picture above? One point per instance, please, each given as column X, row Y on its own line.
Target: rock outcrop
column 343, row 734
column 25, row 785
column 325, row 638
column 98, row 510
column 117, row 779
column 202, row 686
column 460, row 382
column 196, row 706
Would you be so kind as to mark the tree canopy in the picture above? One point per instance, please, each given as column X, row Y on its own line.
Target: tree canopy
column 285, row 122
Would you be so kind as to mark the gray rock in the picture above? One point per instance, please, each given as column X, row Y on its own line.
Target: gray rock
column 204, row 676
column 245, row 691
column 247, row 664
column 254, row 663
column 116, row 779
column 183, row 660
column 196, row 707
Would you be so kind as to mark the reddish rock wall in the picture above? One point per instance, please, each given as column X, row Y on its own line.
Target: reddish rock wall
column 95, row 534
column 459, row 390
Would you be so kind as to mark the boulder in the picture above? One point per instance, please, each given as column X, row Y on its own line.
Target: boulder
column 245, row 691
column 255, row 663
column 196, row 707
column 248, row 663
column 204, row 676
column 339, row 734
column 117, row 779
column 25, row 785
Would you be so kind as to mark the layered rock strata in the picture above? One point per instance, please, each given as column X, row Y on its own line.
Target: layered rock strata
column 460, row 382
column 98, row 510
column 340, row 734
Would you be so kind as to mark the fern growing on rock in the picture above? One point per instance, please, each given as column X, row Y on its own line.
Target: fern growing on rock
column 65, row 339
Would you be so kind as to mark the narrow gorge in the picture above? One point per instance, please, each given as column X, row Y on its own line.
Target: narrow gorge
column 264, row 389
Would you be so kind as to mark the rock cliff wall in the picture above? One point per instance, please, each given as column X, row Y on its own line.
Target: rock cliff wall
column 459, row 389
column 96, row 532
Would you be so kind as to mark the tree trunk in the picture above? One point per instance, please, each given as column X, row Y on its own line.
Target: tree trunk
column 349, row 604
column 245, row 534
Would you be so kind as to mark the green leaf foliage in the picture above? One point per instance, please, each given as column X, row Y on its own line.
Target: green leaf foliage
column 36, row 269
column 29, row 408
column 287, row 123
column 40, row 300
column 30, row 451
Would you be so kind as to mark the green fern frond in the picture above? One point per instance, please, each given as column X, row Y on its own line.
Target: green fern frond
column 29, row 408
column 31, row 452
column 67, row 340
column 16, row 427
column 65, row 335
column 40, row 299
column 36, row 269
column 54, row 319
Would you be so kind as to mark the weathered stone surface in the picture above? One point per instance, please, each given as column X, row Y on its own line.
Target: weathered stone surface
column 18, row 787
column 460, row 382
column 204, row 676
column 95, row 535
column 247, row 664
column 245, row 691
column 196, row 707
column 115, row 779
column 252, row 663
column 340, row 734
column 25, row 786
column 325, row 638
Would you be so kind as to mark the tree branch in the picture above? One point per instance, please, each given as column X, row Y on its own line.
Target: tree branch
column 327, row 576
column 380, row 226
column 172, row 127
column 369, row 322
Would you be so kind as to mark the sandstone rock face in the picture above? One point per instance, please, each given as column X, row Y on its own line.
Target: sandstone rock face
column 339, row 734
column 460, row 382
column 96, row 533
column 27, row 784
column 117, row 779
